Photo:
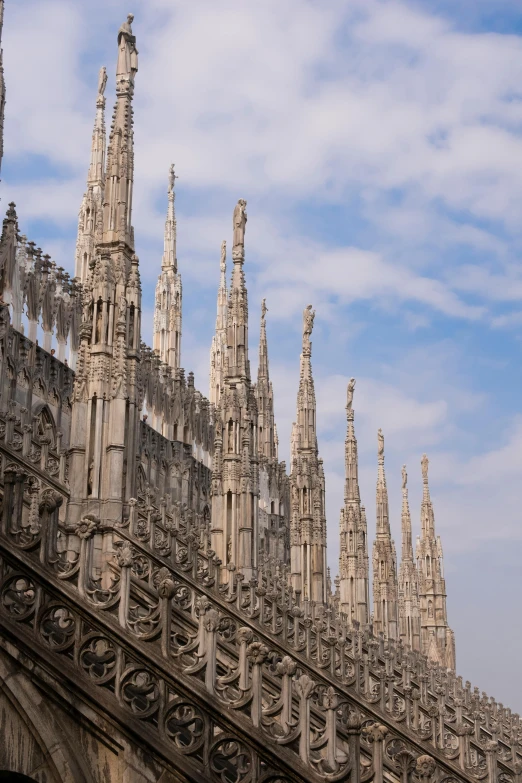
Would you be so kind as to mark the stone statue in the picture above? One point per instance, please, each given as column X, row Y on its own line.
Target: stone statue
column 90, row 478
column 349, row 394
column 424, row 465
column 122, row 310
column 380, row 442
column 127, row 52
column 172, row 177
column 264, row 310
column 308, row 321
column 239, row 222
column 102, row 80
column 223, row 260
column 404, row 477
column 295, row 496
column 98, row 333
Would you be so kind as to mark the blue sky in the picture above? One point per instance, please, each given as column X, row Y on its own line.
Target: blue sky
column 379, row 147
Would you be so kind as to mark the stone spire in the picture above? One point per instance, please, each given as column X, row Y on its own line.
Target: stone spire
column 353, row 558
column 437, row 640
column 91, row 207
column 235, row 478
column 107, row 395
column 218, row 350
column 10, row 284
column 308, row 521
column 273, row 481
column 384, row 559
column 167, row 308
column 265, row 397
column 170, row 260
column 237, row 311
column 408, row 583
column 2, row 86
column 117, row 204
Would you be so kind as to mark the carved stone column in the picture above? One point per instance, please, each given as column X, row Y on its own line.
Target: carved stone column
column 124, row 560
column 377, row 734
column 304, row 687
column 256, row 653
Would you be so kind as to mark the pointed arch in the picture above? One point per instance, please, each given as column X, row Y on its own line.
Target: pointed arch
column 46, row 424
column 40, row 724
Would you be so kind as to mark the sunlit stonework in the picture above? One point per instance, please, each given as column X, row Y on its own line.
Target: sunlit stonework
column 166, row 611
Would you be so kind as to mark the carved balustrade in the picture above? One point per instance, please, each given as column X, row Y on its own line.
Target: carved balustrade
column 40, row 453
column 155, row 577
column 175, row 408
column 30, row 282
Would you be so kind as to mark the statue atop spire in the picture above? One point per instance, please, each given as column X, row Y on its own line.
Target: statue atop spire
column 102, row 81
column 264, row 311
column 223, row 259
column 239, row 222
column 308, row 325
column 424, row 467
column 127, row 53
column 349, row 394
column 172, row 177
column 380, row 446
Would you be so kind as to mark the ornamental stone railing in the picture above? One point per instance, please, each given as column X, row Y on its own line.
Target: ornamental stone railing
column 31, row 283
column 311, row 687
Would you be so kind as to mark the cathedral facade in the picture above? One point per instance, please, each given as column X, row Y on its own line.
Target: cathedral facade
column 166, row 611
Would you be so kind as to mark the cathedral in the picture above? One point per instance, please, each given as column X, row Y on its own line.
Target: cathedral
column 166, row 610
